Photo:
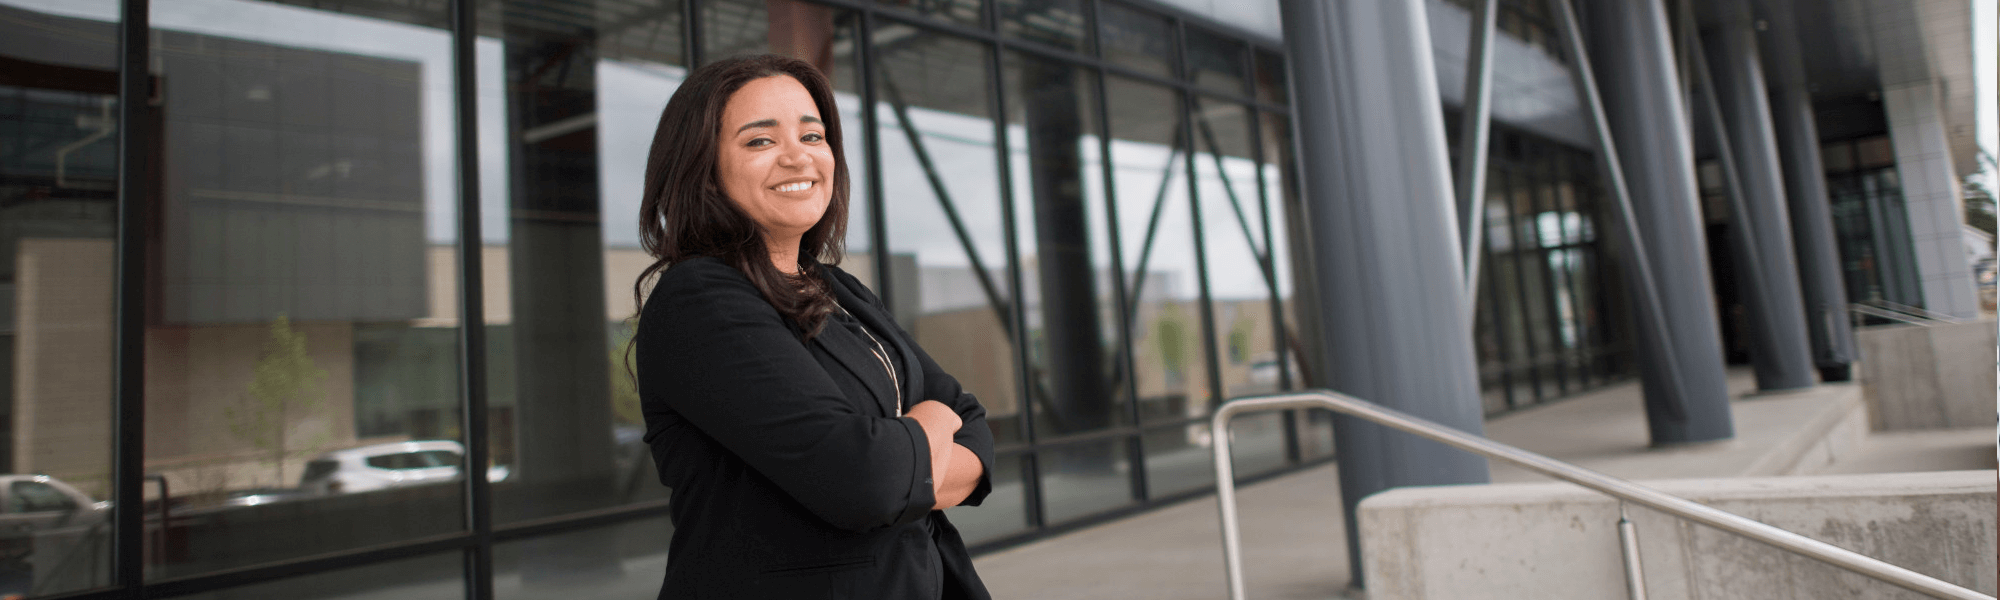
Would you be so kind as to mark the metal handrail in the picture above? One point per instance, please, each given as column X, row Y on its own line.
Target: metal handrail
column 1625, row 490
column 1901, row 312
column 1870, row 311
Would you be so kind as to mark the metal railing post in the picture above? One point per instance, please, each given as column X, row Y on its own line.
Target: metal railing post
column 1628, row 545
column 1626, row 491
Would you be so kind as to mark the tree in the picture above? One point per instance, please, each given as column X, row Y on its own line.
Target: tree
column 624, row 386
column 287, row 385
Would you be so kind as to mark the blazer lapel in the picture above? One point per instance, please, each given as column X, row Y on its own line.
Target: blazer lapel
column 911, row 371
column 859, row 360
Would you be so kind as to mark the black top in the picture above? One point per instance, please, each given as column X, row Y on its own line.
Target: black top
column 792, row 475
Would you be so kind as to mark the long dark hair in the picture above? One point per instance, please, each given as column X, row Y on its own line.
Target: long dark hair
column 685, row 214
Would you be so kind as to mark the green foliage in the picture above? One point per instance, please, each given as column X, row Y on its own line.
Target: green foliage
column 624, row 388
column 1170, row 331
column 1240, row 331
column 286, row 386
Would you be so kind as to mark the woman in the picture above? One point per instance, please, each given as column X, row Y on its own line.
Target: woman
column 809, row 442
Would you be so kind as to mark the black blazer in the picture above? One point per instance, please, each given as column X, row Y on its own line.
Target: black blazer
column 792, row 475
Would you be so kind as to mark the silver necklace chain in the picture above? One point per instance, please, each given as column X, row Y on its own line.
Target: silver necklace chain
column 881, row 354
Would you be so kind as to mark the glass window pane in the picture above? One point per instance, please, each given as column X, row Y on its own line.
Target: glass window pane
column 1065, row 248
column 1004, row 512
column 1058, row 23
column 1084, row 479
column 1257, row 444
column 58, row 201
column 1157, row 237
column 1215, row 62
column 306, row 268
column 1232, row 219
column 947, row 243
column 1179, row 458
column 437, row 576
column 1137, row 40
column 542, row 567
column 1271, row 78
column 969, row 13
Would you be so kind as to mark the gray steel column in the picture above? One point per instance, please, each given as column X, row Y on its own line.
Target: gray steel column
column 1779, row 347
column 1641, row 98
column 1813, row 242
column 1378, row 193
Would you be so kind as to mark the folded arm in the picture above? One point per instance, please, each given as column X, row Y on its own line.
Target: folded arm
column 713, row 352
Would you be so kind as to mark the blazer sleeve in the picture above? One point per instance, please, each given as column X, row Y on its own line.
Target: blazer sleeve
column 711, row 349
column 974, row 434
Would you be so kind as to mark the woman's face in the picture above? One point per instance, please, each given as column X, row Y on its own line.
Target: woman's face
column 774, row 162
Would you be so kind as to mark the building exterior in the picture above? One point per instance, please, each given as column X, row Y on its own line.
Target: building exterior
column 258, row 239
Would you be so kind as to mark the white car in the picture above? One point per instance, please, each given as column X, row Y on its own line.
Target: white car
column 384, row 466
column 39, row 503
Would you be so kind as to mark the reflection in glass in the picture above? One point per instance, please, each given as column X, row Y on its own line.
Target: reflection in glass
column 1065, row 249
column 1239, row 284
column 1004, row 512
column 1136, row 40
column 947, row 244
column 1069, row 493
column 301, row 361
column 1270, row 77
column 429, row 577
column 637, row 552
column 1257, row 444
column 58, row 199
column 1179, row 459
column 1058, row 23
column 968, row 13
column 1156, row 227
column 554, row 317
column 1214, row 62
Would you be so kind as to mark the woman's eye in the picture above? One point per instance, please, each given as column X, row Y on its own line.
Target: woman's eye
column 760, row 142
column 813, row 137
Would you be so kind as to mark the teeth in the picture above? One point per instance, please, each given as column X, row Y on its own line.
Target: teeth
column 793, row 187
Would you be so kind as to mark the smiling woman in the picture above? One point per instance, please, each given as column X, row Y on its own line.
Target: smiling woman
column 775, row 167
column 806, row 460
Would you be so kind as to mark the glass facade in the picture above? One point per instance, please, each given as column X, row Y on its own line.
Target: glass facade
column 1870, row 221
column 1553, row 320
column 384, row 239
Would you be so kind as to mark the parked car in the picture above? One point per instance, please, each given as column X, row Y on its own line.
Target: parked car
column 42, row 520
column 384, row 466
column 36, row 503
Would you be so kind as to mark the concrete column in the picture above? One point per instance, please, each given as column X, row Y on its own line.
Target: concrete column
column 562, row 415
column 1378, row 193
column 1641, row 93
column 1820, row 278
column 1070, row 319
column 1931, row 197
column 1779, row 347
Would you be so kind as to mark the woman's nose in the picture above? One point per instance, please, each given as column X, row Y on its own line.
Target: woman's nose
column 793, row 154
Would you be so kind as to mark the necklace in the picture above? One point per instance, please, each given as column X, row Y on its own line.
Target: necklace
column 881, row 355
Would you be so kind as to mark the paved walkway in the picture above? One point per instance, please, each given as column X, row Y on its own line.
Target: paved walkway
column 1293, row 537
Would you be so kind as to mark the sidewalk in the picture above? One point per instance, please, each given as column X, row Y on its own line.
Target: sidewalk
column 1293, row 538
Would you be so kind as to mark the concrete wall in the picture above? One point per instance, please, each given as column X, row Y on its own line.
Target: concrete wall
column 63, row 361
column 1935, row 377
column 1556, row 540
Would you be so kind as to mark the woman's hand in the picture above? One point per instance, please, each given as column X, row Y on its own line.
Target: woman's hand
column 939, row 423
